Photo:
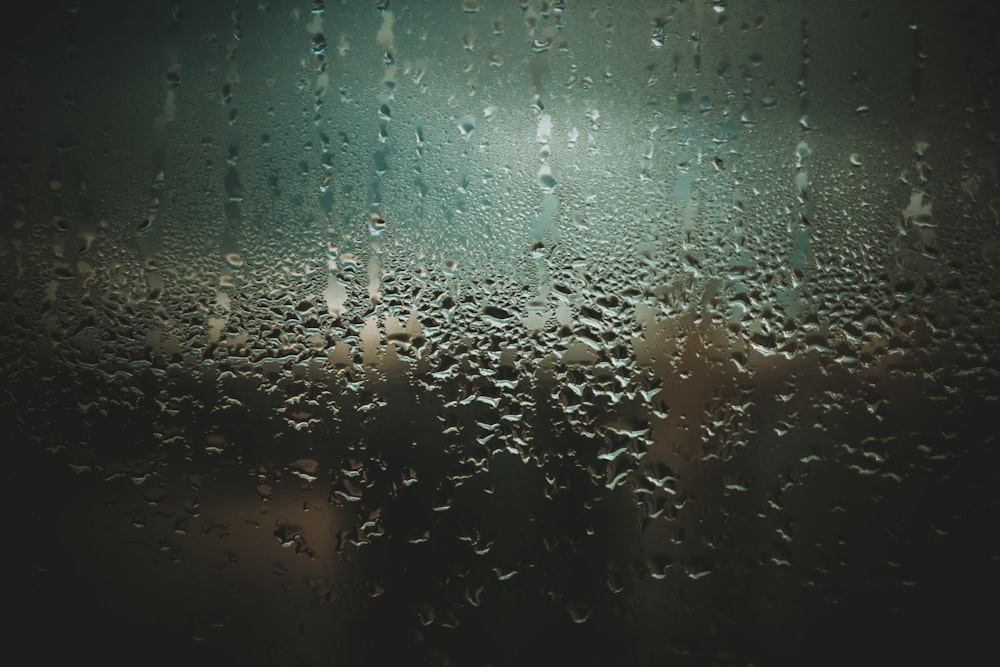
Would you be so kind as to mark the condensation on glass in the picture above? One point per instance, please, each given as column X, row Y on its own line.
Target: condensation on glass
column 499, row 332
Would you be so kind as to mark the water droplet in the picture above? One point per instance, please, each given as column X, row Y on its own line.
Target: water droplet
column 546, row 181
column 540, row 46
column 465, row 126
column 349, row 262
column 318, row 43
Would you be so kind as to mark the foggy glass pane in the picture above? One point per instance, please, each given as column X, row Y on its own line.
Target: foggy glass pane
column 500, row 332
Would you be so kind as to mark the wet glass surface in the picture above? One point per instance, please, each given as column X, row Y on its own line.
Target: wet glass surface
column 500, row 333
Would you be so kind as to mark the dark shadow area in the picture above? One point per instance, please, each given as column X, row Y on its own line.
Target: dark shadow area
column 435, row 549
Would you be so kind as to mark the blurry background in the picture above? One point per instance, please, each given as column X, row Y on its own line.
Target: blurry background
column 499, row 332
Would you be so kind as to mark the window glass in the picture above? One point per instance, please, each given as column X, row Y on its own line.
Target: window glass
column 500, row 332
